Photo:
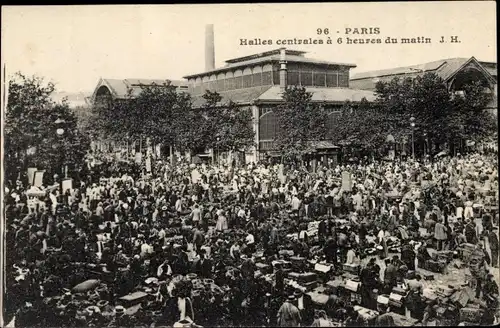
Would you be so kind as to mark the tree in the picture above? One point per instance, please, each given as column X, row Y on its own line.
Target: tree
column 30, row 130
column 361, row 126
column 149, row 114
column 477, row 122
column 164, row 115
column 227, row 127
column 299, row 123
column 440, row 116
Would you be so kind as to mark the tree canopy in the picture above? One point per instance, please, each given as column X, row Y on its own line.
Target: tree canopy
column 167, row 116
column 31, row 137
column 440, row 116
column 299, row 123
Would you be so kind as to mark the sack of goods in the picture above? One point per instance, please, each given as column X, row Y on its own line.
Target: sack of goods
column 445, row 256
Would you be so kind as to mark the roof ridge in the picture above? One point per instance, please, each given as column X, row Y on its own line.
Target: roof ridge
column 443, row 61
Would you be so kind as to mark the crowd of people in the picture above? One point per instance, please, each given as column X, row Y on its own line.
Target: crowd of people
column 216, row 223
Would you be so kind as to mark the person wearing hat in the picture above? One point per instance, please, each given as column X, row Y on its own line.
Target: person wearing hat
column 408, row 255
column 440, row 234
column 494, row 245
column 289, row 314
column 385, row 319
column 490, row 296
column 119, row 318
column 305, row 306
column 390, row 276
column 470, row 231
column 204, row 266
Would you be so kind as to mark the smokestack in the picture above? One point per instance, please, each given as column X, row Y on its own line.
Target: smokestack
column 283, row 69
column 209, row 48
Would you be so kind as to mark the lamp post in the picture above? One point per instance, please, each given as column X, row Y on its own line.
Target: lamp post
column 217, row 151
column 425, row 144
column 60, row 132
column 412, row 124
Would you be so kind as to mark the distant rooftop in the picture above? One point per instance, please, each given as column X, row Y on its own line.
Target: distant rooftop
column 74, row 99
column 120, row 88
column 266, row 57
column 444, row 68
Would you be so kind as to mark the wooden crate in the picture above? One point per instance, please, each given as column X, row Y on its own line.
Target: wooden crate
column 133, row 299
column 309, row 286
column 471, row 314
column 351, row 268
column 308, row 277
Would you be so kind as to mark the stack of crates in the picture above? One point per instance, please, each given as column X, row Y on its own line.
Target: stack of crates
column 382, row 301
column 471, row 314
column 351, row 268
column 467, row 250
column 299, row 264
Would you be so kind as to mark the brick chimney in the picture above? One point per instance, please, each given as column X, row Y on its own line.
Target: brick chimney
column 209, row 48
column 282, row 69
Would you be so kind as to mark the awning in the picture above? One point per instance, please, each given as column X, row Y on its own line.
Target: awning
column 323, row 145
column 316, row 145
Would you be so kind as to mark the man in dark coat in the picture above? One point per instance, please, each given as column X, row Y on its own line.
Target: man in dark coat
column 390, row 276
column 470, row 232
column 205, row 265
column 198, row 238
column 408, row 256
column 305, row 306
column 493, row 241
column 369, row 282
column 330, row 251
column 322, row 232
column 279, row 277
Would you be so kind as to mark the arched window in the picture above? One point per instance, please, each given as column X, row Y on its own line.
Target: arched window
column 238, row 79
column 229, row 85
column 103, row 97
column 257, row 76
column 247, row 77
column 268, row 126
column 332, row 121
column 220, row 82
column 267, row 74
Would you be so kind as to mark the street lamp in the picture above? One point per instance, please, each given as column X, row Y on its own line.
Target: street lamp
column 412, row 124
column 425, row 144
column 60, row 132
column 217, row 150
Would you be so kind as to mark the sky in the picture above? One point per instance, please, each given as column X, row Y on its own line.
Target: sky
column 74, row 46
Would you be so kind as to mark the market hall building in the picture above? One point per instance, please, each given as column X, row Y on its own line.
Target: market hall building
column 455, row 72
column 256, row 83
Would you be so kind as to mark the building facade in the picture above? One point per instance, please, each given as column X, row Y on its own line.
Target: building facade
column 256, row 83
